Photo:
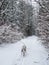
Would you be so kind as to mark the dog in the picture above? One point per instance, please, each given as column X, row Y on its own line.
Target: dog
column 23, row 50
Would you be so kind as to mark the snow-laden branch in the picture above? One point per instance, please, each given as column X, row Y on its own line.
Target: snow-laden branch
column 42, row 6
column 0, row 4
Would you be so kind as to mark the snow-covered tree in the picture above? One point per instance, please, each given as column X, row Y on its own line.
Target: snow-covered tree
column 3, row 8
column 25, row 17
column 43, row 20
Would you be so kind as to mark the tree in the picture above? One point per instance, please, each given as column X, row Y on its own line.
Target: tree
column 43, row 20
column 25, row 17
column 3, row 8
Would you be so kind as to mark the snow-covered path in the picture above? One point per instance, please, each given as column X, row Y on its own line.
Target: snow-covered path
column 36, row 53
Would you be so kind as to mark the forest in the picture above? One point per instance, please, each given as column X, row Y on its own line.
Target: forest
column 23, row 18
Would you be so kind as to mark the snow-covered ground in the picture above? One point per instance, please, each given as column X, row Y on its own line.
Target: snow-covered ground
column 36, row 53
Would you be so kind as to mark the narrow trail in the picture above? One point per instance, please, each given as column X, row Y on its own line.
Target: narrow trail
column 36, row 53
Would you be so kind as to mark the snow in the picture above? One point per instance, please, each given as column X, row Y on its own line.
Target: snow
column 10, row 54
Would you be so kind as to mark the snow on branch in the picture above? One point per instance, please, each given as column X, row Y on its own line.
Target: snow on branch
column 42, row 6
